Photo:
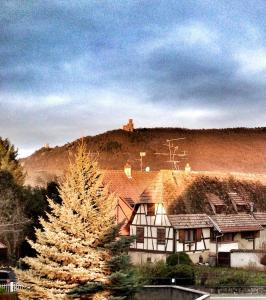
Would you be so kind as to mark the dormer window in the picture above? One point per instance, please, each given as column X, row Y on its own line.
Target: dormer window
column 150, row 209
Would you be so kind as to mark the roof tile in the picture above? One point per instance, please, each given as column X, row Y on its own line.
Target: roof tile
column 183, row 221
column 236, row 222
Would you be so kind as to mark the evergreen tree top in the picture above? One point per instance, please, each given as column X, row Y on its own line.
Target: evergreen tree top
column 9, row 161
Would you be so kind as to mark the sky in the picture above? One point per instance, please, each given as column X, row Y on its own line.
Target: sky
column 76, row 68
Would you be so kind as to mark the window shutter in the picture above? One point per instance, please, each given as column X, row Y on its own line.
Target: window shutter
column 140, row 235
column 181, row 235
column 161, row 236
column 257, row 234
column 198, row 234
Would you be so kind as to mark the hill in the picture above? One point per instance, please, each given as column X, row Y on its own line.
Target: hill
column 219, row 150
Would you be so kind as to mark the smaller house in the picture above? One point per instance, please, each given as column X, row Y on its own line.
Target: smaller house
column 234, row 231
column 261, row 218
column 192, row 232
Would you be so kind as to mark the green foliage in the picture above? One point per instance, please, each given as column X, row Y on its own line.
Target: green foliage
column 218, row 276
column 234, row 279
column 9, row 161
column 86, row 289
column 184, row 274
column 123, row 285
column 36, row 205
column 178, row 258
column 150, row 273
column 122, row 281
column 2, row 290
column 145, row 272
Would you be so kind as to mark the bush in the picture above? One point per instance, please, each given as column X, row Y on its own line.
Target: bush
column 183, row 274
column 2, row 290
column 178, row 258
column 234, row 279
column 147, row 271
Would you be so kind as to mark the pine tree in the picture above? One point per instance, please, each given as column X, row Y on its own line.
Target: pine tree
column 9, row 161
column 122, row 282
column 74, row 248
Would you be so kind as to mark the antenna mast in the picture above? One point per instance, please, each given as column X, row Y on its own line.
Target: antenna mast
column 175, row 156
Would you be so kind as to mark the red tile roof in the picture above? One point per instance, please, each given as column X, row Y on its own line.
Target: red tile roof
column 190, row 221
column 235, row 222
column 126, row 188
column 260, row 217
column 154, row 192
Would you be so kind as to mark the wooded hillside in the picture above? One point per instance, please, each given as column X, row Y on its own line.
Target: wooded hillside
column 221, row 150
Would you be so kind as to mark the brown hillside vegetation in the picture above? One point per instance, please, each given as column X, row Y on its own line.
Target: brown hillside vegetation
column 220, row 150
column 187, row 192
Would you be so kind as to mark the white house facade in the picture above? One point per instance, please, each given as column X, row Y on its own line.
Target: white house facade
column 199, row 235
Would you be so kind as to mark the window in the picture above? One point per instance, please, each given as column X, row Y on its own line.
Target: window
column 150, row 209
column 248, row 235
column 190, row 235
column 161, row 236
column 213, row 235
column 227, row 237
column 140, row 235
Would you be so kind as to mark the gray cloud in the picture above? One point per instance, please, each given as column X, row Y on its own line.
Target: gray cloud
column 65, row 66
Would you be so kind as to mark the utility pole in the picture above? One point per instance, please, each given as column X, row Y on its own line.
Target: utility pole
column 141, row 154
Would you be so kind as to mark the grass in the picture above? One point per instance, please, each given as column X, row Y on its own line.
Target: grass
column 218, row 276
column 204, row 275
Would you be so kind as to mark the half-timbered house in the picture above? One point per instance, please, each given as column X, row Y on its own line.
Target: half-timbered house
column 144, row 203
column 158, row 234
column 192, row 234
column 128, row 186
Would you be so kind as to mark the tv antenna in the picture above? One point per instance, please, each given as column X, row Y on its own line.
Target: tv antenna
column 175, row 156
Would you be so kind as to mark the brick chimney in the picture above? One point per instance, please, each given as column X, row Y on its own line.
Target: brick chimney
column 128, row 170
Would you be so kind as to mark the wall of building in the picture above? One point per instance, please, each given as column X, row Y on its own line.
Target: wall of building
column 138, row 257
column 243, row 243
column 150, row 224
column 223, row 247
column 261, row 241
column 195, row 246
column 247, row 259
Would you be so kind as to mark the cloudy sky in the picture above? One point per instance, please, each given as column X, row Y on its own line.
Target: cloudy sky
column 76, row 68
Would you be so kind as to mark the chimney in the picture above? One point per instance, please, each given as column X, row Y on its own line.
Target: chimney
column 127, row 170
column 187, row 168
